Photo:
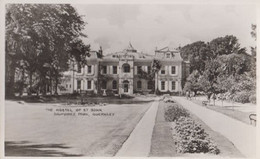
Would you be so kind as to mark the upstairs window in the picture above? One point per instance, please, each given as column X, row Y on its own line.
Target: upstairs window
column 89, row 69
column 168, row 55
column 104, row 69
column 79, row 68
column 114, row 69
column 149, row 69
column 162, row 85
column 126, row 68
column 173, row 70
column 139, row 69
column 163, row 70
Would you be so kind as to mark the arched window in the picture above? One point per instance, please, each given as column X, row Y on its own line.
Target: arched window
column 139, row 84
column 150, row 85
column 114, row 84
column 126, row 68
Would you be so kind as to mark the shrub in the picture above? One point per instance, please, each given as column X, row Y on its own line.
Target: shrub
column 242, row 97
column 174, row 112
column 252, row 98
column 191, row 138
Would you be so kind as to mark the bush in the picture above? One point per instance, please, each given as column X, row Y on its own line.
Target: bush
column 252, row 98
column 242, row 97
column 192, row 138
column 174, row 112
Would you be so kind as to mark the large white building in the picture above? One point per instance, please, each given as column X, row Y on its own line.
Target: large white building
column 120, row 73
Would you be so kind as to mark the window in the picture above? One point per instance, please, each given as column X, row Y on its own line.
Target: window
column 104, row 69
column 114, row 85
column 89, row 84
column 149, row 69
column 126, row 68
column 163, row 70
column 173, row 85
column 104, row 85
column 139, row 84
column 78, row 84
column 162, row 85
column 89, row 69
column 168, row 55
column 150, row 85
column 139, row 69
column 173, row 70
column 79, row 68
column 114, row 69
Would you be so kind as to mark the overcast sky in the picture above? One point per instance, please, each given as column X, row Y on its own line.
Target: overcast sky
column 113, row 26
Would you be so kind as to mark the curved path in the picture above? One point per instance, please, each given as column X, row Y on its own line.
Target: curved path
column 139, row 142
column 243, row 136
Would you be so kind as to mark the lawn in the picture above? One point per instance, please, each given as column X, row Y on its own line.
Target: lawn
column 31, row 129
column 231, row 112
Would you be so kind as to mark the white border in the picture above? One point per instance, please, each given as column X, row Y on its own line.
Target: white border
column 2, row 50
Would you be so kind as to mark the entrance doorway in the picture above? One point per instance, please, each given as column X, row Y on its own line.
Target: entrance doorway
column 126, row 86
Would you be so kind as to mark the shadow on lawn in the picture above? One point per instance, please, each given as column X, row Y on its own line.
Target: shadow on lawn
column 25, row 148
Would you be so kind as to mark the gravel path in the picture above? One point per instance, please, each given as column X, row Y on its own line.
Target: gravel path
column 139, row 142
column 242, row 135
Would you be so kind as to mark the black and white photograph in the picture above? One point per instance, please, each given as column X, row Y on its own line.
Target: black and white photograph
column 129, row 79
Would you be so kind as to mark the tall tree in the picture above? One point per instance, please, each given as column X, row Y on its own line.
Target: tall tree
column 224, row 46
column 197, row 53
column 40, row 34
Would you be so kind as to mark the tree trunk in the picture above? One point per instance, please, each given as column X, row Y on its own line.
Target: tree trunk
column 30, row 84
column 56, row 84
column 22, row 85
column 9, row 80
column 156, row 83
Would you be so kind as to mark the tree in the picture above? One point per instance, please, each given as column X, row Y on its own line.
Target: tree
column 192, row 83
column 156, row 66
column 40, row 34
column 224, row 46
column 197, row 53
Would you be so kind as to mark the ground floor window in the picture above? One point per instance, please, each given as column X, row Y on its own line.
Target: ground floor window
column 114, row 85
column 162, row 85
column 173, row 85
column 78, row 84
column 89, row 84
column 139, row 84
column 126, row 86
column 150, row 85
column 104, row 85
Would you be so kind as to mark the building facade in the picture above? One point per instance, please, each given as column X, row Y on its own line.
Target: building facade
column 123, row 73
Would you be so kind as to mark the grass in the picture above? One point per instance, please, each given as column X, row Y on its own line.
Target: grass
column 77, row 99
column 235, row 114
column 32, row 131
column 162, row 144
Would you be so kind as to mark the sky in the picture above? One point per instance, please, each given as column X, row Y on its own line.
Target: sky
column 151, row 26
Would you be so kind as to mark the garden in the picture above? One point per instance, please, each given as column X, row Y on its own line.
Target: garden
column 191, row 136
